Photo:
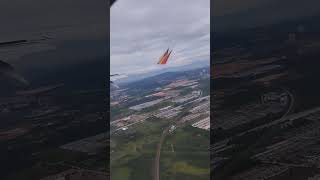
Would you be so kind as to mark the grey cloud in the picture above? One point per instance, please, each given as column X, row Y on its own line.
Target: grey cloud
column 142, row 30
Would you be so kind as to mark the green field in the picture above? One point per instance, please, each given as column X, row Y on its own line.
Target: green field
column 133, row 156
column 133, row 152
column 185, row 155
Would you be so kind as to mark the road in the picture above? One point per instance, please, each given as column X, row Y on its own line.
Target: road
column 285, row 116
column 158, row 152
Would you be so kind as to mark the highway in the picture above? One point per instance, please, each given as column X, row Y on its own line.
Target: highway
column 285, row 116
column 158, row 152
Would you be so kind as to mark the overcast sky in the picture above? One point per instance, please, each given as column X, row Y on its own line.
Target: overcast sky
column 142, row 30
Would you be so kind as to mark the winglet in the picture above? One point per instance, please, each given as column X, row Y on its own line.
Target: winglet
column 164, row 58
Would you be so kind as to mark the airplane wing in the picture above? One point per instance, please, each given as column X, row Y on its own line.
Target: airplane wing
column 111, row 2
column 114, row 75
column 20, row 42
column 15, row 49
column 164, row 58
column 7, row 71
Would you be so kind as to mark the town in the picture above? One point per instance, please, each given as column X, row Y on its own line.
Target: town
column 151, row 119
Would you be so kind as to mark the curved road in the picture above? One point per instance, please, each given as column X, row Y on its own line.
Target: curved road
column 292, row 103
column 157, row 159
column 283, row 118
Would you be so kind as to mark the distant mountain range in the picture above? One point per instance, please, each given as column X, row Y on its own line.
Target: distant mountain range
column 160, row 80
column 137, row 77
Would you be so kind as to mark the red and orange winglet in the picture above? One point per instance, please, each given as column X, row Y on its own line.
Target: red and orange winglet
column 164, row 58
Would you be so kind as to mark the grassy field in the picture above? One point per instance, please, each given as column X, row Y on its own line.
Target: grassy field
column 133, row 152
column 185, row 155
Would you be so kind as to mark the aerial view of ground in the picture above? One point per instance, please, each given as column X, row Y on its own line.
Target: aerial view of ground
column 266, row 104
column 161, row 131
